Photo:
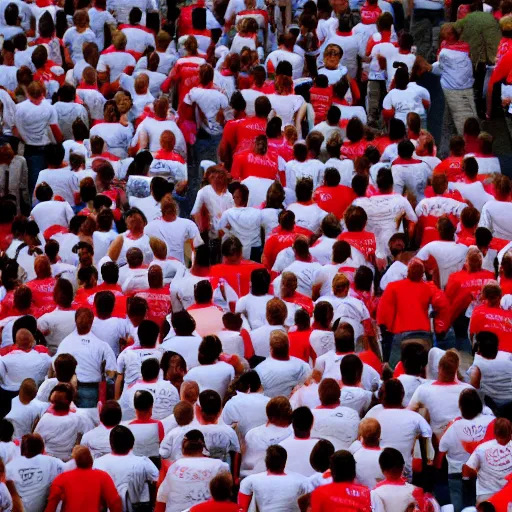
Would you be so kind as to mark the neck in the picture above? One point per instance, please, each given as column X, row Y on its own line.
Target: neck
column 143, row 415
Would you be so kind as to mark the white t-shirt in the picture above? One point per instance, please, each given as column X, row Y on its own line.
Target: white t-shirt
column 338, row 425
column 60, row 433
column 34, row 121
column 51, row 213
column 410, row 176
column 496, row 217
column 312, row 169
column 148, row 436
column 286, row 106
column 399, row 429
column 97, row 440
column 215, row 204
column 187, row 482
column 442, row 402
column 75, row 40
column 257, row 441
column 247, row 410
column 460, row 439
column 116, row 62
column 260, row 338
column 280, row 377
column 368, row 471
column 33, row 478
column 473, row 192
column 210, row 102
column 410, row 384
column 294, row 59
column 90, row 352
column 24, row 416
column 130, row 361
column 449, row 256
column 185, row 346
column 308, row 216
column 254, row 308
column 154, row 129
column 275, row 493
column 245, row 224
column 405, row 101
column 111, row 330
column 174, row 234
column 64, row 182
column 305, row 272
column 384, row 212
column 116, row 136
column 16, row 365
column 299, row 451
column 215, row 376
column 131, row 476
column 493, row 462
column 165, row 396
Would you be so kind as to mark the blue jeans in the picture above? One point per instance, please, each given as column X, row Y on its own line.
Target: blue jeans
column 205, row 148
column 36, row 162
column 462, row 492
column 396, row 347
column 87, row 395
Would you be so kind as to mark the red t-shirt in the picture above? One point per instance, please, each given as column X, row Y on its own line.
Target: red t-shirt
column 452, row 167
column 279, row 240
column 159, row 302
column 87, row 299
column 334, row 199
column 299, row 344
column 303, row 301
column 215, row 506
column 247, row 130
column 237, row 276
column 282, row 147
column 341, row 497
column 496, row 320
column 353, row 149
column 42, row 294
column 371, row 359
column 321, row 101
column 5, row 236
column 363, row 241
column 248, row 163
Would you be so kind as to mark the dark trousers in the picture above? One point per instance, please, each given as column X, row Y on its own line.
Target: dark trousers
column 36, row 162
column 478, row 88
column 87, row 394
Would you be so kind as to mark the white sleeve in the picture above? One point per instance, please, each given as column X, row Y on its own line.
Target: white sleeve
column 424, row 428
column 198, row 204
column 69, row 213
column 474, row 461
column 485, row 218
column 424, row 253
column 246, row 486
column 388, row 101
column 416, row 399
column 101, row 67
column 409, row 212
column 110, row 358
column 164, row 489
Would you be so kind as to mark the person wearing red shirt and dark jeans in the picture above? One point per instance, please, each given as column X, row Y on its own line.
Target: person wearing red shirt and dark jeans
column 343, row 495
column 83, row 489
column 404, row 310
column 235, row 270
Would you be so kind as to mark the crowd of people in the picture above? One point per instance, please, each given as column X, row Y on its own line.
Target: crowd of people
column 255, row 256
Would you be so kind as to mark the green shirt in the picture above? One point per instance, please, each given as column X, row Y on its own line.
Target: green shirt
column 482, row 31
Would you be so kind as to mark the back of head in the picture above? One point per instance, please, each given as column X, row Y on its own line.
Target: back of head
column 448, row 366
column 209, row 350
column 343, row 466
column 279, row 411
column 111, row 413
column 351, row 369
column 370, row 432
column 470, row 404
column 32, row 445
column 221, row 487
column 121, row 439
column 275, row 459
column 143, row 401
column 329, row 392
column 392, row 393
column 83, row 457
column 344, row 338
column 302, row 422
column 391, row 461
column 210, row 404
column 487, row 344
column 150, row 369
column 279, row 345
column 249, row 382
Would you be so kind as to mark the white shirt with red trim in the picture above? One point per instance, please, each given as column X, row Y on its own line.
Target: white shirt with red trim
column 410, row 384
column 111, row 330
column 60, row 432
column 321, row 341
column 257, row 441
column 187, row 482
column 215, row 204
column 411, row 175
column 90, row 352
column 50, row 213
column 299, row 451
column 306, row 395
column 405, row 101
column 305, row 272
column 116, row 62
column 215, row 376
column 97, row 440
column 246, row 410
column 232, row 342
column 286, row 106
column 308, row 216
column 185, row 346
column 441, row 400
column 326, row 274
column 462, row 438
column 17, row 364
column 244, row 223
column 399, row 430
column 496, row 217
column 278, row 378
column 210, row 102
column 9, row 451
column 322, row 250
column 338, row 425
column 279, row 55
column 148, row 436
column 131, row 475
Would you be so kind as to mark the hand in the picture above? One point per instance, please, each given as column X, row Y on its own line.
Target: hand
column 181, row 187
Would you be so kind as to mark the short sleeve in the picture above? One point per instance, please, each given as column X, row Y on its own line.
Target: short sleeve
column 416, row 400
column 164, row 489
column 101, row 66
column 54, row 118
column 474, row 460
column 387, row 104
column 424, row 428
column 246, row 486
column 110, row 359
column 121, row 363
column 424, row 253
column 198, row 204
column 446, row 441
column 234, row 444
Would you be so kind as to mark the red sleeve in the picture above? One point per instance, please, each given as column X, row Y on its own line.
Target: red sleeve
column 386, row 310
column 56, row 495
column 316, row 501
column 501, row 71
column 248, row 348
column 244, row 501
column 356, row 93
column 452, row 288
column 236, row 168
column 110, row 494
column 475, row 322
column 442, row 310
